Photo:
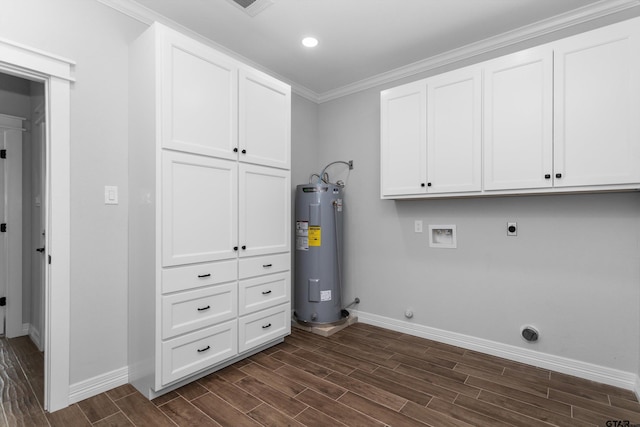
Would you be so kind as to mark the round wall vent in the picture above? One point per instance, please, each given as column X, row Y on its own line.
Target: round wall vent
column 530, row 334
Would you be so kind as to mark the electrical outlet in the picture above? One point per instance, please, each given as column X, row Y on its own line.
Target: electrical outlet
column 350, row 164
column 417, row 226
column 512, row 229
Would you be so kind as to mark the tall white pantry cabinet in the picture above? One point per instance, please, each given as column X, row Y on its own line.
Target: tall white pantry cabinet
column 210, row 198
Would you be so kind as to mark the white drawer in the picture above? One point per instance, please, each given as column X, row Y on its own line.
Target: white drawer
column 264, row 326
column 187, row 311
column 198, row 275
column 263, row 292
column 250, row 267
column 191, row 353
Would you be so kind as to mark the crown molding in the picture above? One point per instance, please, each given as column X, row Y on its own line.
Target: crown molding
column 147, row 16
column 541, row 28
column 567, row 20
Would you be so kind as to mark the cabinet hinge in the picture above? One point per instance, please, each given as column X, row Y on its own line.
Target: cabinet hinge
column 3, row 301
column 3, row 154
column 49, row 259
column 3, row 228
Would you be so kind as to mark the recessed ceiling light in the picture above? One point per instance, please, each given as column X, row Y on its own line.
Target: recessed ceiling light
column 310, row 42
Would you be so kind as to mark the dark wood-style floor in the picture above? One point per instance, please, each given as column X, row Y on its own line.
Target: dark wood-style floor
column 361, row 376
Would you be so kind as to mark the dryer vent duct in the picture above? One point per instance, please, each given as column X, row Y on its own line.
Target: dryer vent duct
column 252, row 7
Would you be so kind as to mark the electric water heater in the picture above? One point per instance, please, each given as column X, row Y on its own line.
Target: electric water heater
column 318, row 255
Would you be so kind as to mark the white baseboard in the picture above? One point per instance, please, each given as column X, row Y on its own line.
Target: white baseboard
column 35, row 336
column 99, row 384
column 601, row 374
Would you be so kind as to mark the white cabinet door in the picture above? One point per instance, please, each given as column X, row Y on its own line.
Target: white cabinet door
column 199, row 98
column 403, row 131
column 265, row 203
column 454, row 114
column 264, row 120
column 518, row 128
column 199, row 208
column 597, row 107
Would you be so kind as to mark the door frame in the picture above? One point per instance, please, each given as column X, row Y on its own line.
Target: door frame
column 56, row 74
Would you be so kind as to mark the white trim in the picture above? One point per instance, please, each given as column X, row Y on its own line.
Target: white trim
column 509, row 38
column 590, row 371
column 563, row 21
column 35, row 335
column 16, row 54
column 98, row 384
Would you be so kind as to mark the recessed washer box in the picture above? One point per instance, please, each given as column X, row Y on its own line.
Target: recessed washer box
column 442, row 236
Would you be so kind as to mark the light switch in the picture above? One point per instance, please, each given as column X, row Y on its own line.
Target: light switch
column 110, row 195
column 417, row 226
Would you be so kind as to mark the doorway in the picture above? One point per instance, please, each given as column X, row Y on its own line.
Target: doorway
column 55, row 73
column 22, row 213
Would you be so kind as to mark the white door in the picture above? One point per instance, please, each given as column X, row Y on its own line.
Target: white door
column 597, row 107
column 264, row 120
column 265, row 210
column 518, row 129
column 403, row 140
column 11, row 218
column 39, row 230
column 199, row 98
column 199, row 208
column 454, row 105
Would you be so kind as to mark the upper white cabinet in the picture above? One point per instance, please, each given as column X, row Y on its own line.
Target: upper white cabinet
column 454, row 117
column 557, row 118
column 431, row 135
column 518, row 120
column 265, row 120
column 199, row 98
column 597, row 107
column 403, row 140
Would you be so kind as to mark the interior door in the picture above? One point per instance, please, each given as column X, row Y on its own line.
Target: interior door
column 3, row 235
column 11, row 272
column 39, row 231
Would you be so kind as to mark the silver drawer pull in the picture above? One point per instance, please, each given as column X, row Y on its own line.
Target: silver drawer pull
column 202, row 276
column 268, row 325
column 202, row 350
column 266, row 292
column 204, row 308
column 267, row 265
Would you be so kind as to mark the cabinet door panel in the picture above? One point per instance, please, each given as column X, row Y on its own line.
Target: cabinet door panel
column 199, row 98
column 597, row 110
column 454, row 106
column 265, row 203
column 403, row 131
column 518, row 138
column 265, row 120
column 199, row 207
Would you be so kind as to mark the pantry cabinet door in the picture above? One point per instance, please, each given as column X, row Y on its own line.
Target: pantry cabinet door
column 597, row 107
column 264, row 120
column 518, row 127
column 454, row 136
column 403, row 150
column 264, row 210
column 199, row 208
column 199, row 98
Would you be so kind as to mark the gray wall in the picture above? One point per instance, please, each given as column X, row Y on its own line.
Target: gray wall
column 97, row 38
column 573, row 270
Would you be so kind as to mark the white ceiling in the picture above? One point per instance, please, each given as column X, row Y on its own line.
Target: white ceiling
column 359, row 39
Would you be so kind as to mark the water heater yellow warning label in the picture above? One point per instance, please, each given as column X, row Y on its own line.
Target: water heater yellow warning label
column 315, row 235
